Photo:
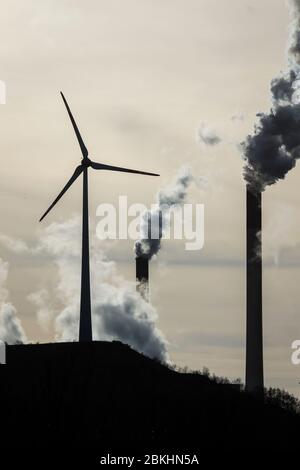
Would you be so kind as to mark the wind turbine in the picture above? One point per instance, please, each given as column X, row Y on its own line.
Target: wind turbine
column 85, row 323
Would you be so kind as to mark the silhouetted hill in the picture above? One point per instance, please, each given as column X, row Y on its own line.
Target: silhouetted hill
column 103, row 394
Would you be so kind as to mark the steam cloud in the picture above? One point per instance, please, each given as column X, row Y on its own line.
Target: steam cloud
column 118, row 311
column 238, row 117
column 275, row 146
column 207, row 135
column 41, row 300
column 167, row 199
column 11, row 330
column 279, row 228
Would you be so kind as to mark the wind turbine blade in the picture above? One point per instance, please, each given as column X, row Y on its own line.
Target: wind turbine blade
column 75, row 175
column 79, row 138
column 101, row 166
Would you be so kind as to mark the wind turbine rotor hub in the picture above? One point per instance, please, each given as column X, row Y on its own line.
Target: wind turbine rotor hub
column 86, row 162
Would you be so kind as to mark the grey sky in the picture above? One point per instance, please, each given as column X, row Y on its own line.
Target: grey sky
column 140, row 77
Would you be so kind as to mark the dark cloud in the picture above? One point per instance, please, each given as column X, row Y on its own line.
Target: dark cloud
column 272, row 151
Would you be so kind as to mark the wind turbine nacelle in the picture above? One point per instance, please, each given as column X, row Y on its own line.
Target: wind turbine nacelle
column 86, row 162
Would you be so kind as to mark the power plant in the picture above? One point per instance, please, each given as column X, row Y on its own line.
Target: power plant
column 135, row 319
column 270, row 153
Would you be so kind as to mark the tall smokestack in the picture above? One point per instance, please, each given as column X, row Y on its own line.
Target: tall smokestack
column 254, row 337
column 270, row 153
column 142, row 276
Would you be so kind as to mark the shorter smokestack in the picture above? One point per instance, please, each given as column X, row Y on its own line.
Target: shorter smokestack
column 142, row 276
column 151, row 237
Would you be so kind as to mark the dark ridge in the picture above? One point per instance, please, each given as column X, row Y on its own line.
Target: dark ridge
column 104, row 394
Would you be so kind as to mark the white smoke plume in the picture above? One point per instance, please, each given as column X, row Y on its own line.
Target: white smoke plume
column 279, row 232
column 11, row 330
column 274, row 147
column 207, row 135
column 239, row 116
column 45, row 313
column 168, row 198
column 13, row 244
column 118, row 311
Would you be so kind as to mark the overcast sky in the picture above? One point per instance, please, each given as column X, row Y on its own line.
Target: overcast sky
column 141, row 77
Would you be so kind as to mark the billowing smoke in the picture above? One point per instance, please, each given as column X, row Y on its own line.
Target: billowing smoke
column 274, row 147
column 11, row 330
column 133, row 322
column 16, row 245
column 118, row 311
column 207, row 135
column 280, row 228
column 169, row 198
column 239, row 116
column 45, row 313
